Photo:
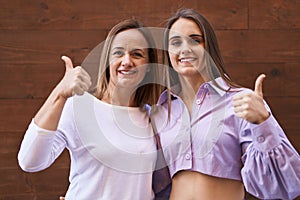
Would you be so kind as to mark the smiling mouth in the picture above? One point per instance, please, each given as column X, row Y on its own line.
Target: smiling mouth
column 187, row 60
column 127, row 72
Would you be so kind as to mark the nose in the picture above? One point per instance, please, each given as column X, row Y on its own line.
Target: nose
column 186, row 49
column 126, row 60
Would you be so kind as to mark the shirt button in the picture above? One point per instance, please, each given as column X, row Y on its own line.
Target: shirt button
column 260, row 139
column 198, row 101
column 187, row 156
column 246, row 132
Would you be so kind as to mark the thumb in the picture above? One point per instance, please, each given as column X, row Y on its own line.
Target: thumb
column 68, row 62
column 259, row 84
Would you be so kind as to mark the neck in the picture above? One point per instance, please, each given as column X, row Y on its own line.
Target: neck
column 190, row 85
column 120, row 96
column 189, row 88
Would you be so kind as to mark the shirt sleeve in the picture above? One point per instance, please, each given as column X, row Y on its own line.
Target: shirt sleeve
column 39, row 148
column 271, row 164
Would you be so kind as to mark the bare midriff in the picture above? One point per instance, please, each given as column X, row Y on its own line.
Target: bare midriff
column 191, row 185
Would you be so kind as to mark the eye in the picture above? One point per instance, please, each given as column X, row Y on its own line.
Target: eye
column 137, row 54
column 175, row 42
column 117, row 53
column 196, row 40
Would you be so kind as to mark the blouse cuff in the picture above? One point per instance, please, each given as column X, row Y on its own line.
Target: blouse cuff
column 266, row 136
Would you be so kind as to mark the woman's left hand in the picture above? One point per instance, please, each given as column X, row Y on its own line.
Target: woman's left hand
column 250, row 106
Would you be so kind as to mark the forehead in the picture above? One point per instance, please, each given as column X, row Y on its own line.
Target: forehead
column 131, row 38
column 184, row 27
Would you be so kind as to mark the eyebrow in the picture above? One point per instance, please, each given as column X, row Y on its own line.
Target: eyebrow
column 132, row 50
column 138, row 49
column 192, row 35
column 174, row 37
column 196, row 35
column 117, row 48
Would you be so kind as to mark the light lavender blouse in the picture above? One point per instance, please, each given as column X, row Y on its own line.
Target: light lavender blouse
column 112, row 150
column 214, row 141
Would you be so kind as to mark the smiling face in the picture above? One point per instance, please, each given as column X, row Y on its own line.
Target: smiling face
column 128, row 59
column 186, row 47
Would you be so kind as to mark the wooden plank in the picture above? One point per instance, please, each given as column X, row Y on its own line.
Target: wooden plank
column 282, row 78
column 46, row 47
column 92, row 15
column 260, row 46
column 44, row 196
column 38, row 80
column 225, row 14
column 16, row 183
column 9, row 148
column 286, row 110
column 16, row 114
column 276, row 14
column 29, row 81
column 58, row 15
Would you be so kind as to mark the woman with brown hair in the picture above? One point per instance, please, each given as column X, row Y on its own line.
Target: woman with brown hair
column 227, row 138
column 107, row 134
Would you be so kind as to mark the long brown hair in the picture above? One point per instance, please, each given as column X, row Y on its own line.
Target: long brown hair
column 149, row 90
column 217, row 66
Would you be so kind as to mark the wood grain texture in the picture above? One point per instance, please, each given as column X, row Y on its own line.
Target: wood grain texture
column 265, row 14
column 46, row 47
column 47, row 184
column 281, row 79
column 255, row 36
column 16, row 114
column 262, row 46
column 92, row 14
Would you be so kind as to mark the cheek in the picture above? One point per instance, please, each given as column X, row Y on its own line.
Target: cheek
column 113, row 64
column 199, row 50
column 112, row 61
column 142, row 70
column 173, row 58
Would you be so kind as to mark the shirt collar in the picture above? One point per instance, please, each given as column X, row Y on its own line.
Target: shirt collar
column 209, row 85
column 221, row 83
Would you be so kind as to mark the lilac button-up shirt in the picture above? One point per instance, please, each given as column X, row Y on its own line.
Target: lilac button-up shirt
column 214, row 141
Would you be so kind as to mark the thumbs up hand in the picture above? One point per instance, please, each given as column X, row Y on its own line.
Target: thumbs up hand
column 250, row 106
column 75, row 81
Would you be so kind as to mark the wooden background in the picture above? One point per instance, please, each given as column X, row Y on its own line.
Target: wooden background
column 255, row 36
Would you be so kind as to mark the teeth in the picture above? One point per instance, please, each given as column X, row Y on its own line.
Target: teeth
column 187, row 59
column 127, row 72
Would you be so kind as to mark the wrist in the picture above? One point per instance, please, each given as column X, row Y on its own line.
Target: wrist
column 264, row 117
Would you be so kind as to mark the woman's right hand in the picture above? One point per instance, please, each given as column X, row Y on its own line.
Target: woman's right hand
column 75, row 81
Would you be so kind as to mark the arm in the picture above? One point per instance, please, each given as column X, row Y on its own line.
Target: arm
column 42, row 142
column 75, row 81
column 271, row 164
